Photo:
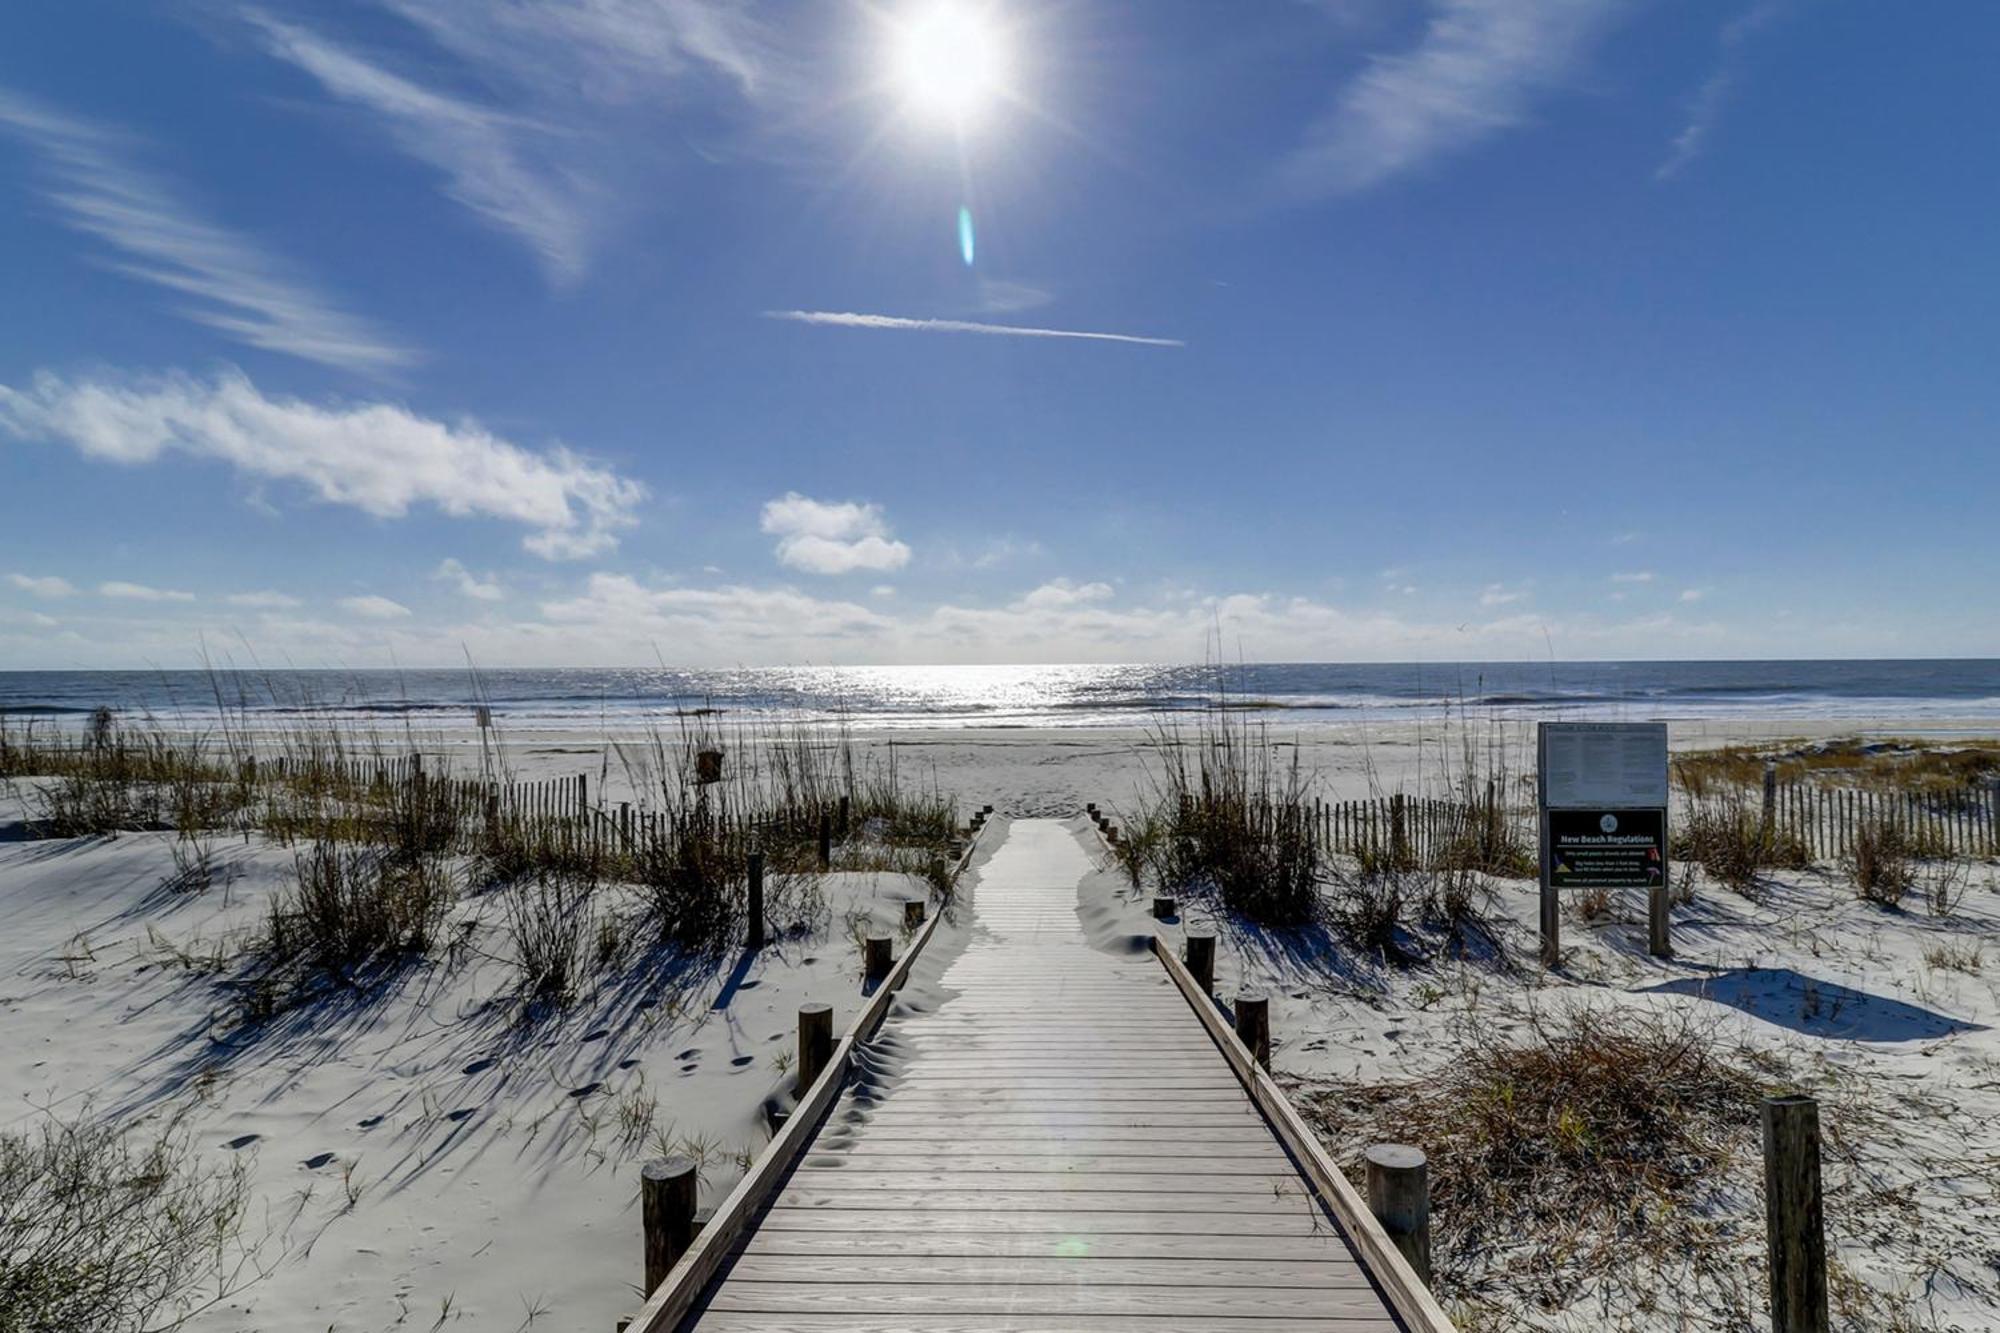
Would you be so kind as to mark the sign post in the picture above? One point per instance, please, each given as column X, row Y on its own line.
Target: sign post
column 1603, row 799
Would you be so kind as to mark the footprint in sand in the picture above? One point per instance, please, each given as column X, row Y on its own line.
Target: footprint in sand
column 371, row 1121
column 318, row 1160
column 743, row 1060
column 627, row 1064
column 689, row 1068
column 462, row 1113
column 242, row 1141
column 598, row 1035
column 480, row 1066
column 585, row 1090
column 693, row 1052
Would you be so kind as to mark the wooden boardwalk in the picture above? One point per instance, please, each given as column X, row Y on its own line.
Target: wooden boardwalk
column 1058, row 1145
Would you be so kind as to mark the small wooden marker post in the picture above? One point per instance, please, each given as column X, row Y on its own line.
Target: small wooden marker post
column 1253, row 1027
column 1794, row 1219
column 1770, row 819
column 1658, row 942
column 913, row 914
column 667, row 1197
column 840, row 824
column 876, row 957
column 1164, row 908
column 1399, row 1194
column 754, row 936
column 1200, row 960
column 825, row 840
column 815, row 1043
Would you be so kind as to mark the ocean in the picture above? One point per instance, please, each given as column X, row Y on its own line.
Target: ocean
column 907, row 697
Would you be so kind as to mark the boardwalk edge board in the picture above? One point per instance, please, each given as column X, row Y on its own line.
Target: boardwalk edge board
column 1406, row 1291
column 713, row 1246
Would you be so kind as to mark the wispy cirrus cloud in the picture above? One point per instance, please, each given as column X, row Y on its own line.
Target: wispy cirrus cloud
column 850, row 320
column 477, row 149
column 1477, row 70
column 376, row 457
column 121, row 590
column 1706, row 107
column 562, row 133
column 232, row 284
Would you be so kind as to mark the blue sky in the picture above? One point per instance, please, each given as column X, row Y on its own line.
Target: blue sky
column 601, row 331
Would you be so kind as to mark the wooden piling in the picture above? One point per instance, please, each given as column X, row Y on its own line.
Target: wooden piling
column 815, row 1043
column 667, row 1200
column 841, row 823
column 825, row 841
column 1164, row 908
column 1200, row 960
column 1794, row 1218
column 1399, row 1195
column 1253, row 1027
column 754, row 932
column 876, row 957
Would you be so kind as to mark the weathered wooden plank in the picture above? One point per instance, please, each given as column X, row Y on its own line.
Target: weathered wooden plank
column 874, row 1213
column 1079, row 1270
column 722, row 1321
column 851, row 1176
column 829, row 1198
column 899, row 1299
column 1153, row 1245
column 1269, row 1162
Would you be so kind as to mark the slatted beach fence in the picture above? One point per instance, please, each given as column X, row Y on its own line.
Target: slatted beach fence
column 1040, row 1136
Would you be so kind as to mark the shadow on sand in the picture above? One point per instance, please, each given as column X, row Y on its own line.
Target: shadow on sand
column 1816, row 1008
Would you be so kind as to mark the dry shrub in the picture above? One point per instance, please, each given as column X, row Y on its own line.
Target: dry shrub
column 692, row 889
column 356, row 905
column 552, row 921
column 1726, row 836
column 100, row 1229
column 1598, row 1133
column 1881, row 862
column 1225, row 818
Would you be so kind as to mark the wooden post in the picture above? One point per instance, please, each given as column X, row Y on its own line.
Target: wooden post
column 876, row 956
column 825, row 841
column 754, row 935
column 1164, row 908
column 815, row 1043
column 1253, row 1026
column 582, row 792
column 667, row 1198
column 1658, row 943
column 1769, row 823
column 913, row 914
column 1794, row 1220
column 1399, row 1194
column 1200, row 960
column 1399, row 833
column 840, row 825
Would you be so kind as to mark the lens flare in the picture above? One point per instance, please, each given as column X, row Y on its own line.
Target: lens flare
column 965, row 235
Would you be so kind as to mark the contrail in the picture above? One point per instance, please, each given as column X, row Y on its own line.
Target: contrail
column 846, row 320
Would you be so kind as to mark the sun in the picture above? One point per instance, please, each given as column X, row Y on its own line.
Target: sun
column 950, row 59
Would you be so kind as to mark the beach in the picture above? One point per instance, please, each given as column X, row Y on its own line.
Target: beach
column 421, row 1156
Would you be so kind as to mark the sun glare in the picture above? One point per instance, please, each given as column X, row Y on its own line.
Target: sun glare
column 950, row 60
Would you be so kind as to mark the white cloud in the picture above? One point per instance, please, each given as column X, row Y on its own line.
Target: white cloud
column 1705, row 109
column 882, row 590
column 1000, row 296
column 1476, row 71
column 32, row 619
column 372, row 607
column 232, row 285
column 1499, row 594
column 44, row 586
column 849, row 320
column 1693, row 594
column 487, row 589
column 832, row 538
column 376, row 457
column 139, row 592
column 262, row 600
column 1061, row 593
column 1636, row 576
